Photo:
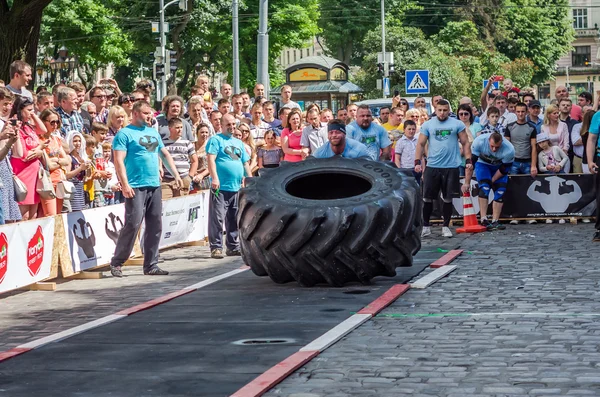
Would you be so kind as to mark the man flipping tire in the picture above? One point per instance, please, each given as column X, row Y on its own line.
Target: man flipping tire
column 493, row 157
column 441, row 173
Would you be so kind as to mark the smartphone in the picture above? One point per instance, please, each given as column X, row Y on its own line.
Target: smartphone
column 396, row 93
column 13, row 122
column 499, row 78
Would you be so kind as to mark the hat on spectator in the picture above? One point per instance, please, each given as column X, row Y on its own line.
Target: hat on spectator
column 535, row 102
column 543, row 137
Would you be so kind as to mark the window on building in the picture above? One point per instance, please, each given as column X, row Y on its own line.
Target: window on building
column 580, row 18
column 288, row 57
column 544, row 93
column 581, row 56
column 295, row 52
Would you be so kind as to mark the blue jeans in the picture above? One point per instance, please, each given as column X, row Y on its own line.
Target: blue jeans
column 520, row 168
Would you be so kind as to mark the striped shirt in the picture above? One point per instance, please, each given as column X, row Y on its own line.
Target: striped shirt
column 181, row 150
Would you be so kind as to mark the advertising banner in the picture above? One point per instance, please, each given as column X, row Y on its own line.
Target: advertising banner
column 92, row 235
column 565, row 195
column 25, row 253
column 184, row 219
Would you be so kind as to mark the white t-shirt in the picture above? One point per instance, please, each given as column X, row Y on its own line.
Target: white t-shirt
column 22, row 92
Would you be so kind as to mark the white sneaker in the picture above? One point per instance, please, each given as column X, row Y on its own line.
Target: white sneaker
column 585, row 220
column 446, row 232
column 514, row 222
column 426, row 231
column 548, row 220
column 561, row 221
column 532, row 222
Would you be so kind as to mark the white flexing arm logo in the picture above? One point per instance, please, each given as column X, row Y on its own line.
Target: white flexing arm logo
column 554, row 202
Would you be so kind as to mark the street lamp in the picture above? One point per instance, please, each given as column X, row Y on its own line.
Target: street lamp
column 206, row 57
column 213, row 67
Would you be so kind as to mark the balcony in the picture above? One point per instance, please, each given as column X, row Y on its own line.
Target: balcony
column 586, row 33
column 578, row 70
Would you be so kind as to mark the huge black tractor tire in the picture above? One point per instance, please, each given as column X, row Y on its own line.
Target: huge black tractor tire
column 330, row 221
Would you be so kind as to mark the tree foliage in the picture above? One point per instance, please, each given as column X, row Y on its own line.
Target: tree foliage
column 89, row 30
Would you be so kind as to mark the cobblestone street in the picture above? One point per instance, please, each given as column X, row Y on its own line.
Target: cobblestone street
column 518, row 317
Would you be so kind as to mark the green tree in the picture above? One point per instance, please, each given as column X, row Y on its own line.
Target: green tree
column 541, row 31
column 89, row 30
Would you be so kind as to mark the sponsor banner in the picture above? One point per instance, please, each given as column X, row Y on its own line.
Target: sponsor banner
column 92, row 235
column 25, row 253
column 563, row 195
column 184, row 219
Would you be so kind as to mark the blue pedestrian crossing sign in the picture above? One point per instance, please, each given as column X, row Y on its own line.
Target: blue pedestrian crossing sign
column 386, row 86
column 417, row 82
column 495, row 84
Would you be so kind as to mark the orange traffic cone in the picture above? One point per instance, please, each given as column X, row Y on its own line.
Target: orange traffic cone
column 469, row 217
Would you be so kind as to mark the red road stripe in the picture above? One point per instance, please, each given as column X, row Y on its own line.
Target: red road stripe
column 275, row 374
column 385, row 300
column 154, row 302
column 12, row 353
column 444, row 260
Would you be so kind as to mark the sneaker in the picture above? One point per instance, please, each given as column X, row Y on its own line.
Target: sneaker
column 532, row 222
column 548, row 221
column 229, row 252
column 514, row 222
column 217, row 253
column 156, row 271
column 561, row 221
column 485, row 222
column 426, row 231
column 495, row 225
column 446, row 232
column 585, row 220
column 596, row 237
column 116, row 271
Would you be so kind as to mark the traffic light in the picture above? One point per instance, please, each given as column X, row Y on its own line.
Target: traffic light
column 158, row 71
column 380, row 68
column 171, row 61
column 183, row 5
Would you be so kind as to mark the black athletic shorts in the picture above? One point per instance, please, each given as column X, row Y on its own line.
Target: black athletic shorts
column 446, row 180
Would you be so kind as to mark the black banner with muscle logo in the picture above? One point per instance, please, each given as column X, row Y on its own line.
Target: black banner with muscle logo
column 563, row 195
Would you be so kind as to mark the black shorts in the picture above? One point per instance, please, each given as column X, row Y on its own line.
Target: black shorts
column 446, row 180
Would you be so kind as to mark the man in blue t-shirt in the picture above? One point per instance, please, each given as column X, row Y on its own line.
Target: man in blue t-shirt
column 493, row 157
column 441, row 174
column 136, row 151
column 339, row 144
column 593, row 157
column 372, row 135
column 227, row 164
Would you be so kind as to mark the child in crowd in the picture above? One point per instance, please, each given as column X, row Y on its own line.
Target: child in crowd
column 551, row 159
column 406, row 148
column 80, row 165
column 269, row 155
column 107, row 184
column 90, row 174
column 185, row 159
column 493, row 115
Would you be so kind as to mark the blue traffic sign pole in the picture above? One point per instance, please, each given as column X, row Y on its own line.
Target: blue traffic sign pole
column 417, row 82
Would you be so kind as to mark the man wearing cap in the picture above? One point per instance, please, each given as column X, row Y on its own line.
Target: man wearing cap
column 593, row 151
column 339, row 144
column 534, row 117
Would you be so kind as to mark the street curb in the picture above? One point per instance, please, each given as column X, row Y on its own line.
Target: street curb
column 56, row 337
column 447, row 258
column 275, row 374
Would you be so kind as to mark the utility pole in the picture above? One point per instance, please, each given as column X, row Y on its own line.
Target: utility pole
column 262, row 72
column 386, row 66
column 163, row 39
column 236, row 48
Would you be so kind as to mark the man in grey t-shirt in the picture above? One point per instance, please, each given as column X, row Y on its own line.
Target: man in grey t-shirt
column 20, row 76
column 523, row 137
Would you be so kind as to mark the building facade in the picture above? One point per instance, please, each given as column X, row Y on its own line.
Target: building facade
column 580, row 69
column 292, row 55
